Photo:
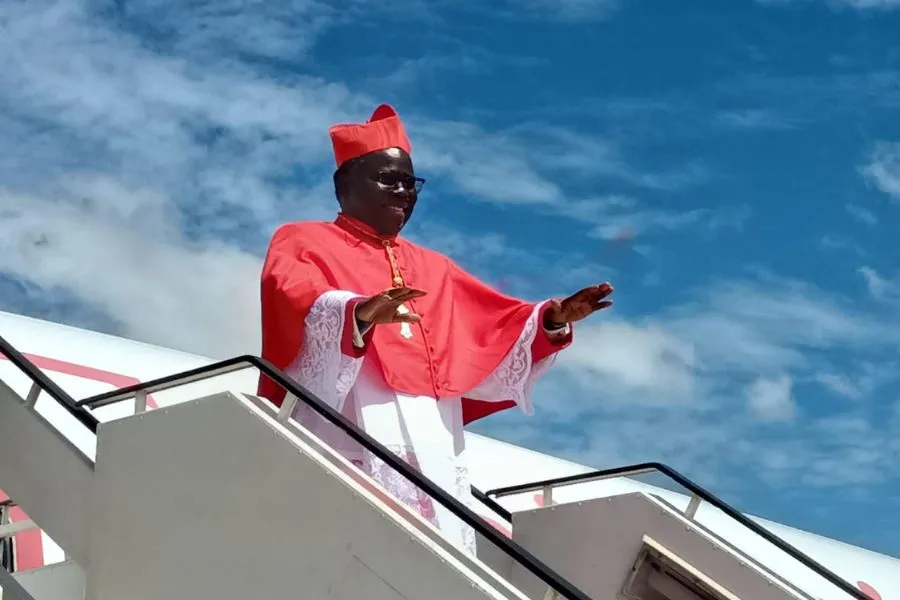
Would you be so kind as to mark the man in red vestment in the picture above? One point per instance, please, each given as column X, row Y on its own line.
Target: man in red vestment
column 397, row 337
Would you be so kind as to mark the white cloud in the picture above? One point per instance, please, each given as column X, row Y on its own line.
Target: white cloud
column 852, row 451
column 743, row 330
column 643, row 360
column 567, row 10
column 498, row 168
column 181, row 154
column 288, row 28
column 880, row 288
column 832, row 242
column 883, row 168
column 772, row 399
column 610, row 224
column 860, row 380
column 145, row 179
column 488, row 167
column 770, row 323
column 863, row 215
column 838, row 4
column 840, row 383
column 753, row 119
column 711, row 384
column 137, row 268
column 869, row 3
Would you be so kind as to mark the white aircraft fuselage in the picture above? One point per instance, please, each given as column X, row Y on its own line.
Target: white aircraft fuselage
column 85, row 363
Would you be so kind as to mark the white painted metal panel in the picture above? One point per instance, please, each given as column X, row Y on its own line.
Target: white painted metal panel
column 41, row 470
column 10, row 589
column 62, row 581
column 594, row 544
column 230, row 504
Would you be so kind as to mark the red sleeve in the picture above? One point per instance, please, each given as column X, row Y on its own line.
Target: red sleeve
column 502, row 310
column 486, row 325
column 290, row 283
column 543, row 346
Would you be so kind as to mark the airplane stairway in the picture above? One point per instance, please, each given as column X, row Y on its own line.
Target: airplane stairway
column 666, row 542
column 225, row 496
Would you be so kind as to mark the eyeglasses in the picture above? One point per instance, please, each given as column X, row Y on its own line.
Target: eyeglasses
column 394, row 179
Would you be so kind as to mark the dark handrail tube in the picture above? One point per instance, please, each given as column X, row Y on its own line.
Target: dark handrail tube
column 224, row 367
column 702, row 493
column 48, row 385
column 491, row 504
column 231, row 365
column 525, row 558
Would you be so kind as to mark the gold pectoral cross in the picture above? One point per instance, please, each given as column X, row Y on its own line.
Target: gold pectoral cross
column 405, row 328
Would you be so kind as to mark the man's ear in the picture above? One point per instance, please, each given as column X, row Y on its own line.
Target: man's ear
column 341, row 184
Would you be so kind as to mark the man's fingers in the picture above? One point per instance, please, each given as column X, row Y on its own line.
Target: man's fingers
column 396, row 296
column 596, row 293
column 396, row 292
column 392, row 305
column 410, row 295
column 605, row 289
column 406, row 293
column 589, row 294
column 584, row 302
column 407, row 318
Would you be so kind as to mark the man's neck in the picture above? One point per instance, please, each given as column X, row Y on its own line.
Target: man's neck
column 361, row 229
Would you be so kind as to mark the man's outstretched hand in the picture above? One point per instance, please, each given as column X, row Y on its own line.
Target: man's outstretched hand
column 382, row 308
column 578, row 306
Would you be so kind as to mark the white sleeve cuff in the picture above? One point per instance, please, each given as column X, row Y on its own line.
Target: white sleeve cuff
column 358, row 341
column 556, row 334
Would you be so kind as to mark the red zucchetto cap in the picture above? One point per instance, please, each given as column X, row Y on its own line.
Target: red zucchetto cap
column 383, row 130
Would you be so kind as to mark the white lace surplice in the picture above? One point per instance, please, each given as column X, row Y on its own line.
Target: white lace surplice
column 426, row 433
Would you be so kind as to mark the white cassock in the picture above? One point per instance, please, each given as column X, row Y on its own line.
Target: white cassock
column 426, row 433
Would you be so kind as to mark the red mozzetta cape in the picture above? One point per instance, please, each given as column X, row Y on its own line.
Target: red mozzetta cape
column 467, row 328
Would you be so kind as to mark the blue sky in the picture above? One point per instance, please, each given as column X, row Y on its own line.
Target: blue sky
column 732, row 167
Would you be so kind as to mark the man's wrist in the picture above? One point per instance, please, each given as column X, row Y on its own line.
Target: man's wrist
column 550, row 325
column 360, row 324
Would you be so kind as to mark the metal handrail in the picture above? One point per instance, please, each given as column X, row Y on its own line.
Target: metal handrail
column 491, row 504
column 7, row 558
column 224, row 367
column 40, row 379
column 8, row 583
column 697, row 491
column 79, row 410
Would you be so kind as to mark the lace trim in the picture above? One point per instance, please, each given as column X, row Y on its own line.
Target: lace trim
column 515, row 375
column 464, row 495
column 416, row 499
column 320, row 366
column 396, row 484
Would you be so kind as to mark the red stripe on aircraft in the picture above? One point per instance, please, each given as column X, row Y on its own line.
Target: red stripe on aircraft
column 28, row 545
column 868, row 590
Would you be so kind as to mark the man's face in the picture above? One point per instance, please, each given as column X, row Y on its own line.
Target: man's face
column 382, row 191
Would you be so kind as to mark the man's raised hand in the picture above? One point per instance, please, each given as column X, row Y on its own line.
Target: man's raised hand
column 578, row 306
column 382, row 308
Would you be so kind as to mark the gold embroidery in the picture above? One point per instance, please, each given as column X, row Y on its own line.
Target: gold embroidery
column 395, row 268
column 405, row 329
column 396, row 276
